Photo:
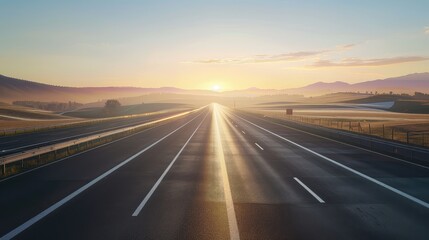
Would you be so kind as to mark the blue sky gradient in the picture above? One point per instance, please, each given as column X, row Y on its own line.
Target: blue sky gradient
column 169, row 43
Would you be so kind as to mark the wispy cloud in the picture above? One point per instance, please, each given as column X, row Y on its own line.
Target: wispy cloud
column 426, row 30
column 356, row 62
column 265, row 58
column 269, row 58
column 346, row 47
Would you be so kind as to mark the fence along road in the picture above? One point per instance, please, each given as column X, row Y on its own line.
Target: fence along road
column 281, row 192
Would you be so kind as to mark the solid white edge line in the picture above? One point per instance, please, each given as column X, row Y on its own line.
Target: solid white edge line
column 259, row 146
column 309, row 190
column 347, row 144
column 58, row 204
column 98, row 131
column 234, row 233
column 77, row 154
column 152, row 190
column 399, row 192
column 78, row 135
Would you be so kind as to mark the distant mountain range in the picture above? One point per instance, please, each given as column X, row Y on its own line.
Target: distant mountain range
column 417, row 82
column 12, row 89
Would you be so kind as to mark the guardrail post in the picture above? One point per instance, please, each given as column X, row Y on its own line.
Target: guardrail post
column 66, row 148
column 370, row 142
column 408, row 138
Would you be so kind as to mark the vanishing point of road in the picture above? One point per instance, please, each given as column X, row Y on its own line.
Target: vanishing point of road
column 219, row 174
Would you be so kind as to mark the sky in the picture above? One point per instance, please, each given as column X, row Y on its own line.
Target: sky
column 201, row 44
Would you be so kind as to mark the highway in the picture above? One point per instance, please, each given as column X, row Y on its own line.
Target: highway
column 219, row 174
column 17, row 143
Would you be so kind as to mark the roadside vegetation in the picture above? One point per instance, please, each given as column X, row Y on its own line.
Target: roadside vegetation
column 401, row 127
column 397, row 117
column 403, row 103
column 16, row 119
column 50, row 106
column 113, row 108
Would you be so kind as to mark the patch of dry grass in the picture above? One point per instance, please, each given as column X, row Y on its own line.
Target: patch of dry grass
column 18, row 119
column 403, row 127
column 6, row 125
column 13, row 111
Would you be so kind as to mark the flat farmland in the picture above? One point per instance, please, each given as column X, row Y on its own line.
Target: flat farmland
column 372, row 119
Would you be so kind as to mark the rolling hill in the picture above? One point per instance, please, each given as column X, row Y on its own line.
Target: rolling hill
column 417, row 82
column 12, row 89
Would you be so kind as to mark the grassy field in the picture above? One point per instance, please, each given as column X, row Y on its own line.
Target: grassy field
column 414, row 130
column 411, row 106
column 100, row 112
column 361, row 115
column 28, row 119
column 31, row 126
column 14, row 112
column 18, row 120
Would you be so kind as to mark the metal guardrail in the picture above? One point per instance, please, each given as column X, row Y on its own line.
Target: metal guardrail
column 375, row 128
column 416, row 154
column 53, row 148
column 23, row 130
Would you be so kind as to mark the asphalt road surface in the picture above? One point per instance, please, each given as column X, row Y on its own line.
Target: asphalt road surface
column 219, row 174
column 17, row 143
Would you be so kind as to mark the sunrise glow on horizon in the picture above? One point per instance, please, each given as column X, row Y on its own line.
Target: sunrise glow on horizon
column 216, row 88
column 221, row 45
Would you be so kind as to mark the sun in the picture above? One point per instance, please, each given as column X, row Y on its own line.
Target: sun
column 215, row 88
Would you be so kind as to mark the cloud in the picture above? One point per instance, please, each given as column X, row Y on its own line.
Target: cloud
column 355, row 62
column 427, row 30
column 285, row 57
column 346, row 47
column 269, row 58
column 265, row 58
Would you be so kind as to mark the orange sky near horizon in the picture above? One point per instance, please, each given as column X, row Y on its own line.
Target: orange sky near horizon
column 197, row 45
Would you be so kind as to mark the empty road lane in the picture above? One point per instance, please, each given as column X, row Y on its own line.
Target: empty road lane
column 219, row 174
